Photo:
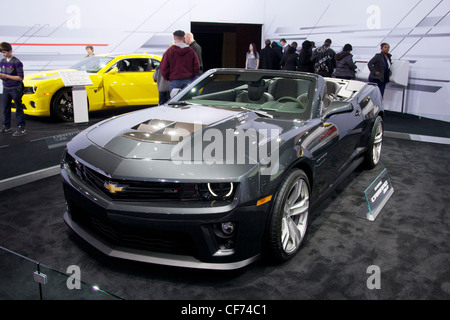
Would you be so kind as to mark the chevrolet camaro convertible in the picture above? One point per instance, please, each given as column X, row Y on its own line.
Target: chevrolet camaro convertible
column 118, row 80
column 225, row 173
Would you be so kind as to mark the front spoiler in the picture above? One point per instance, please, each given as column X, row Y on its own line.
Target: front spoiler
column 153, row 257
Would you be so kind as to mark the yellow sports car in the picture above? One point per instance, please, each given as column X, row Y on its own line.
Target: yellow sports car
column 118, row 81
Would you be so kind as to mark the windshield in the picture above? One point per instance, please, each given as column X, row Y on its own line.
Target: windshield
column 278, row 94
column 92, row 64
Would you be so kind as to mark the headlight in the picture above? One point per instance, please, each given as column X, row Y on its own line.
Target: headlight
column 221, row 190
column 29, row 90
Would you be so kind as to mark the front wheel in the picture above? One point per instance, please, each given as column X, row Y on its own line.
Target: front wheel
column 289, row 219
column 373, row 153
column 62, row 105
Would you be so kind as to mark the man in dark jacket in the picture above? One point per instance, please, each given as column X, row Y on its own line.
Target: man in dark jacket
column 324, row 59
column 180, row 63
column 189, row 38
column 278, row 54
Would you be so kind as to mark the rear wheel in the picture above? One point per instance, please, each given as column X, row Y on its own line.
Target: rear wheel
column 289, row 220
column 62, row 105
column 373, row 153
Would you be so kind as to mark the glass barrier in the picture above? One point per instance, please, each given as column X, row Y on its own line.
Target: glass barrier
column 61, row 286
column 22, row 278
column 17, row 277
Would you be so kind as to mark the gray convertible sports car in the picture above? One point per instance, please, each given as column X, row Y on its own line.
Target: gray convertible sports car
column 226, row 172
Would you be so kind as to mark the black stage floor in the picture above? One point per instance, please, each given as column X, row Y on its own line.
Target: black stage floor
column 409, row 241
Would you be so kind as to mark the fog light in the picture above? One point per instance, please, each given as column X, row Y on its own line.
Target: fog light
column 33, row 104
column 228, row 228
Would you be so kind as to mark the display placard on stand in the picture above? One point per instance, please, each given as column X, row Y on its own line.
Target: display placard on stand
column 377, row 195
column 78, row 80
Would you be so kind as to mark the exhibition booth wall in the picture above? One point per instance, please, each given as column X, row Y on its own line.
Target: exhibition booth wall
column 417, row 32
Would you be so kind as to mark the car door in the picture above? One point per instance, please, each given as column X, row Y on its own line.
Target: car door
column 336, row 145
column 349, row 126
column 131, row 83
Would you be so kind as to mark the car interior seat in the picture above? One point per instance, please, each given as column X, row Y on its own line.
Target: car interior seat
column 122, row 66
column 293, row 88
column 330, row 93
column 332, row 88
column 136, row 66
column 256, row 93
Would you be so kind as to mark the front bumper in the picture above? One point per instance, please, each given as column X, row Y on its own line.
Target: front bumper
column 150, row 257
column 36, row 104
column 180, row 234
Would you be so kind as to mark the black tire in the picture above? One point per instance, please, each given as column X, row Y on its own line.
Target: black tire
column 62, row 105
column 373, row 153
column 287, row 227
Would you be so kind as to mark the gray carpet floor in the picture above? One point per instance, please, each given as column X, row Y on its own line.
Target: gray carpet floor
column 409, row 242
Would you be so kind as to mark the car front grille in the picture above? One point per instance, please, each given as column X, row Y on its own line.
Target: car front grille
column 132, row 190
column 135, row 190
column 136, row 237
column 144, row 239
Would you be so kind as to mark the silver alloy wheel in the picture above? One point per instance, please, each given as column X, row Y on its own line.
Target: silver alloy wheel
column 295, row 216
column 377, row 143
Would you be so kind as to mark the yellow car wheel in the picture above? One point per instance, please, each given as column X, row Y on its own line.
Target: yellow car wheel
column 62, row 105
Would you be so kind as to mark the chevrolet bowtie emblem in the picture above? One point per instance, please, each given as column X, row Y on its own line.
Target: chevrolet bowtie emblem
column 113, row 187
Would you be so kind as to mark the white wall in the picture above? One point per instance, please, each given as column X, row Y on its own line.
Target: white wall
column 51, row 34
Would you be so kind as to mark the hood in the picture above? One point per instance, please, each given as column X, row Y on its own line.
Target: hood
column 180, row 49
column 164, row 132
column 342, row 55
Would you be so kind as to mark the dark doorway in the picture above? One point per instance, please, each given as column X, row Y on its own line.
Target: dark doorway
column 225, row 45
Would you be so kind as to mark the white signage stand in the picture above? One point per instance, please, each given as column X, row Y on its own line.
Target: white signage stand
column 78, row 80
column 400, row 76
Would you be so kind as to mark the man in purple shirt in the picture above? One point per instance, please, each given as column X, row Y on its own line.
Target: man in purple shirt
column 11, row 73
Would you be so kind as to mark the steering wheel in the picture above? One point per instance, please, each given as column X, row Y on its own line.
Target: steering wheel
column 291, row 99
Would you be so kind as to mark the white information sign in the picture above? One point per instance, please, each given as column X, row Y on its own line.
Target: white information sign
column 75, row 78
column 78, row 80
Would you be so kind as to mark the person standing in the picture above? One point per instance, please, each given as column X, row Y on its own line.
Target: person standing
column 189, row 38
column 379, row 67
column 289, row 61
column 304, row 58
column 284, row 45
column 162, row 85
column 278, row 54
column 345, row 67
column 90, row 51
column 268, row 58
column 252, row 57
column 323, row 57
column 12, row 76
column 179, row 64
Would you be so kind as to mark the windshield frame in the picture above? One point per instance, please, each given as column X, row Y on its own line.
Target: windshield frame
column 243, row 77
column 93, row 64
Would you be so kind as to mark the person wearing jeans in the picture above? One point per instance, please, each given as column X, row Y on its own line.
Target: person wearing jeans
column 179, row 64
column 11, row 73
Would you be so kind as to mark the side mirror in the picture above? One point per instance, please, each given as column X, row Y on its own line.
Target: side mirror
column 114, row 70
column 174, row 92
column 337, row 107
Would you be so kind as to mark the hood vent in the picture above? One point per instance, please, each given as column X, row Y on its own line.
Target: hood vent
column 162, row 131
